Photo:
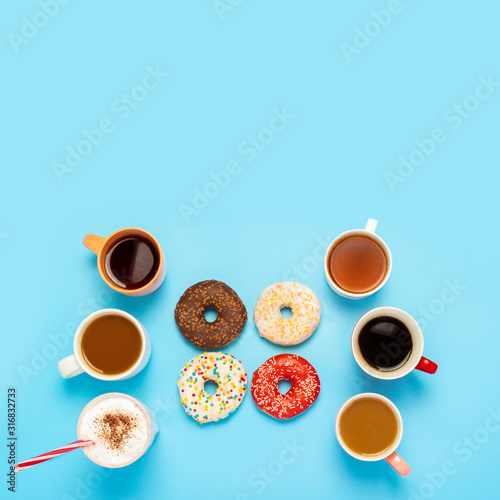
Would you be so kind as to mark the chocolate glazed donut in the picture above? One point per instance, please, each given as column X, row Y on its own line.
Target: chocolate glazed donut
column 231, row 314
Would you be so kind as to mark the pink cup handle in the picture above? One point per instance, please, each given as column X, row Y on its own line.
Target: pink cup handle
column 398, row 464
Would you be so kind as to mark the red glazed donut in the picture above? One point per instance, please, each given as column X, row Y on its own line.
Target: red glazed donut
column 302, row 394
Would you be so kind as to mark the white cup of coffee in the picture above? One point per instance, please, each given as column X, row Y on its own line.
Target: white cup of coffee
column 369, row 427
column 358, row 262
column 122, row 428
column 387, row 343
column 109, row 344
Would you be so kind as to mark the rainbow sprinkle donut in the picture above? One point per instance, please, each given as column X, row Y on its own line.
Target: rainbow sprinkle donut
column 222, row 369
column 306, row 312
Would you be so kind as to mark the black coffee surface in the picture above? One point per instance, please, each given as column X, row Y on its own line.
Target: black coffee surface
column 132, row 262
column 385, row 343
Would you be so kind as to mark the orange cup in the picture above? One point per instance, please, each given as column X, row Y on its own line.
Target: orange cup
column 101, row 246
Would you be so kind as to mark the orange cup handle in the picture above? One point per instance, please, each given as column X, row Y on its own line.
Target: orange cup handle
column 93, row 242
column 398, row 464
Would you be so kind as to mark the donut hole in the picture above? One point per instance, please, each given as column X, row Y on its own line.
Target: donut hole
column 210, row 387
column 284, row 386
column 286, row 312
column 210, row 314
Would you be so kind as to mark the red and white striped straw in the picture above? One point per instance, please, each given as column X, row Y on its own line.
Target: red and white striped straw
column 51, row 454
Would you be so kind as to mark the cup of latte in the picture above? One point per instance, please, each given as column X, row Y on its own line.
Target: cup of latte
column 121, row 427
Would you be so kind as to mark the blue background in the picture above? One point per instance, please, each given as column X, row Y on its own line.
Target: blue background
column 324, row 173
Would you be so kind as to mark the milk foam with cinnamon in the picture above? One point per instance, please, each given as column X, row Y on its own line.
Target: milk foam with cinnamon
column 119, row 428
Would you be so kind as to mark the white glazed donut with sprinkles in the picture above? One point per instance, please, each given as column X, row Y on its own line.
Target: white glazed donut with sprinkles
column 220, row 368
column 306, row 313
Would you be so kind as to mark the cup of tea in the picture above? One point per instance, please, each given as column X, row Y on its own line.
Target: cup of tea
column 358, row 262
column 109, row 344
column 122, row 428
column 387, row 343
column 129, row 260
column 369, row 427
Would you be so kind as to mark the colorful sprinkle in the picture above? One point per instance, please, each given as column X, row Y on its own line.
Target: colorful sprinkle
column 221, row 404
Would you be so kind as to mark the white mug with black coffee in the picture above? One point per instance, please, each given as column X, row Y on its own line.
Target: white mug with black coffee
column 387, row 343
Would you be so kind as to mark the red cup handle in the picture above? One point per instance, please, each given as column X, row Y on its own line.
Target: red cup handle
column 426, row 365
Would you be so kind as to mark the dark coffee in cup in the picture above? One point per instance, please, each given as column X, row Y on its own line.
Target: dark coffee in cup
column 132, row 262
column 385, row 343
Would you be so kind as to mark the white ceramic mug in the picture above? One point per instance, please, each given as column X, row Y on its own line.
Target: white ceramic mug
column 415, row 359
column 367, row 232
column 75, row 364
column 389, row 455
column 151, row 424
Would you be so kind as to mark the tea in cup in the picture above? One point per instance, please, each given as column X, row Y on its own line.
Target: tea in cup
column 358, row 262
